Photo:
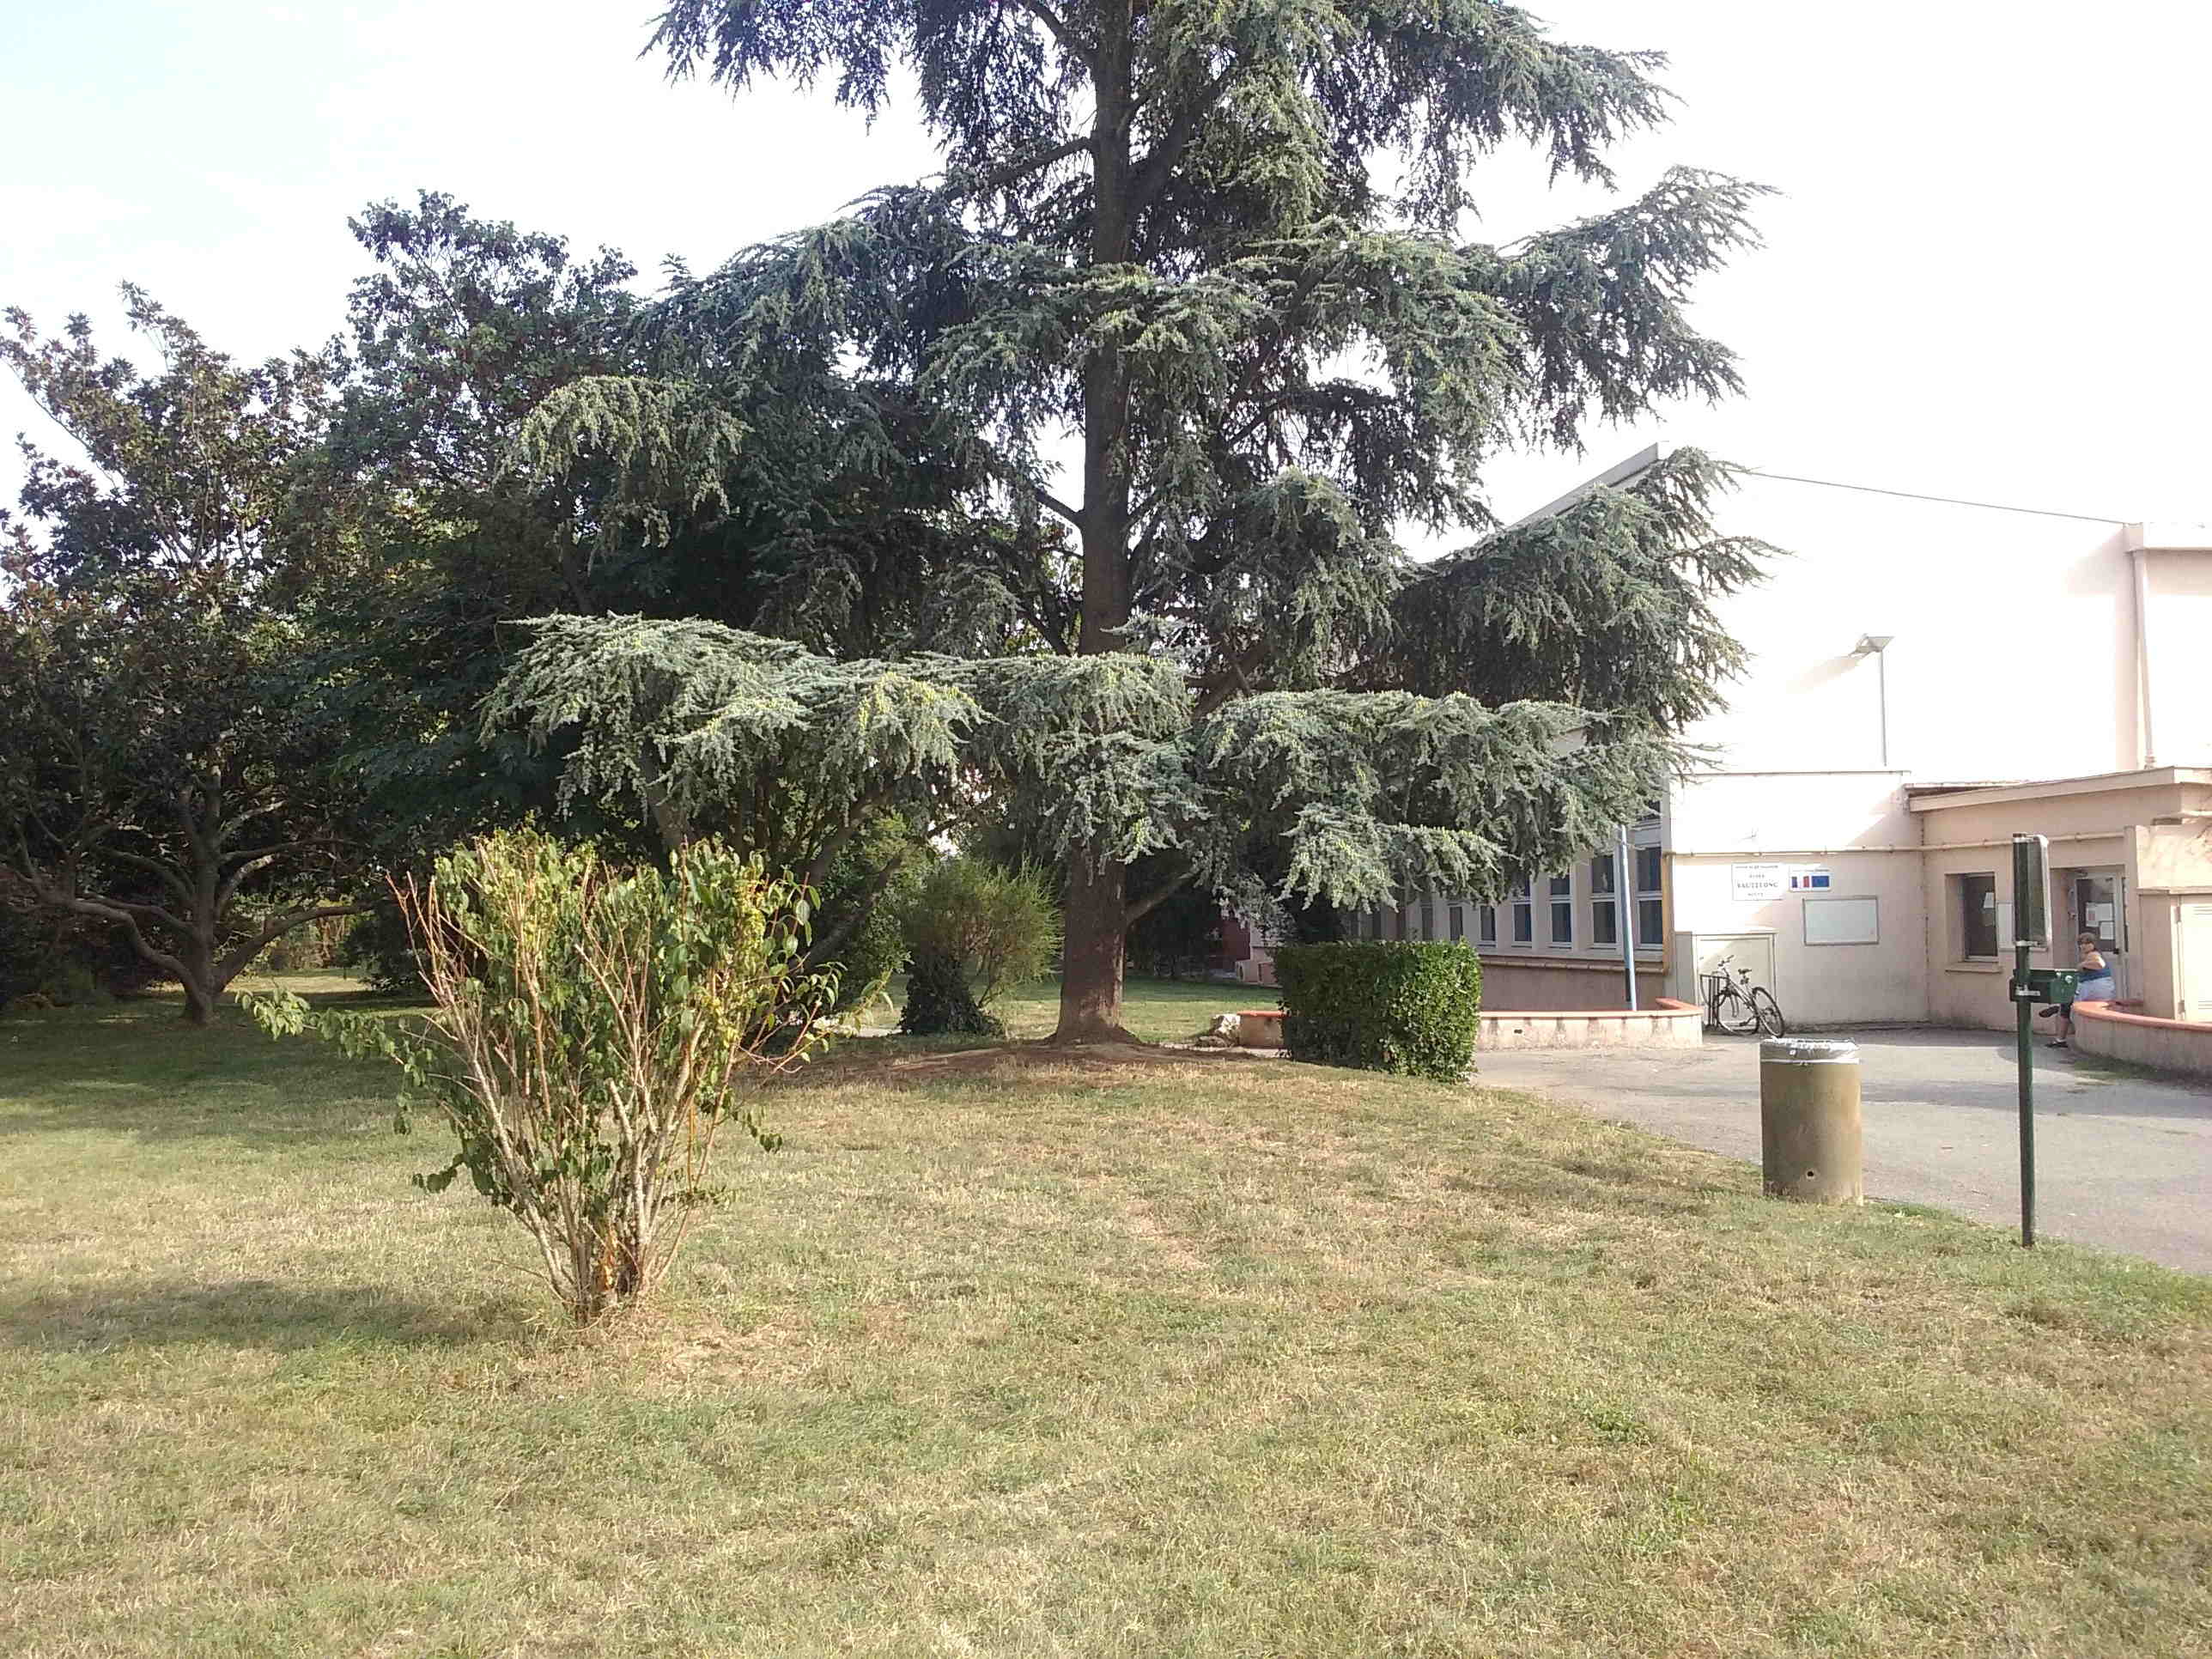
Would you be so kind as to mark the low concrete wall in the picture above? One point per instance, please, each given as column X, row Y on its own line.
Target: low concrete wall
column 2112, row 1031
column 1260, row 1028
column 1665, row 1024
column 1515, row 984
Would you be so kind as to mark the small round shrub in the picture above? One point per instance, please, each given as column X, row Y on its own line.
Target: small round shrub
column 983, row 929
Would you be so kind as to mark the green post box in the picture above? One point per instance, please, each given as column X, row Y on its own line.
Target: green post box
column 2053, row 985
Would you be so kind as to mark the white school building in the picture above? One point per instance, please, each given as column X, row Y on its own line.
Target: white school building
column 1926, row 679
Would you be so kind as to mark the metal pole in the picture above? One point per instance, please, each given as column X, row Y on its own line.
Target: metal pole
column 2027, row 1097
column 1881, row 681
column 1624, row 905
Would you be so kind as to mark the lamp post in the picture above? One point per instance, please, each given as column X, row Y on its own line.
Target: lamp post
column 1623, row 908
column 1877, row 647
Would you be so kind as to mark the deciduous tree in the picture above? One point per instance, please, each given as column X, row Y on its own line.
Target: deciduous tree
column 162, row 766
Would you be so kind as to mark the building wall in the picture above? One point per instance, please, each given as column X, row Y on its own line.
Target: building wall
column 2141, row 826
column 1779, row 813
column 2019, row 649
column 1879, row 982
column 1812, row 755
column 2180, row 585
column 1972, row 599
column 1963, row 990
column 2173, row 862
column 2071, row 806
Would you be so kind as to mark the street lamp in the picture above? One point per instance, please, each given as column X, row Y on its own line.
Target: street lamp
column 1877, row 647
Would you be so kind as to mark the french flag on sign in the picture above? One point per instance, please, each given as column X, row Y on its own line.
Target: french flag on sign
column 1800, row 879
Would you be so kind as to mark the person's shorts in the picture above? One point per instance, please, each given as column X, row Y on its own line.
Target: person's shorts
column 2101, row 990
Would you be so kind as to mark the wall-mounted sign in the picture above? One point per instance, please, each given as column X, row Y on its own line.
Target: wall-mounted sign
column 1830, row 921
column 1809, row 879
column 1755, row 884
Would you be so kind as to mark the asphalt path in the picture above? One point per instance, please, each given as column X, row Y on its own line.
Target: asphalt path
column 2123, row 1158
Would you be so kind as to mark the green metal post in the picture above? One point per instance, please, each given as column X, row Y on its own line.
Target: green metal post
column 2031, row 927
column 2026, row 1097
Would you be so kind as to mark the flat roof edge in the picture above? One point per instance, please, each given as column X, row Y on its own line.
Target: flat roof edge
column 2156, row 777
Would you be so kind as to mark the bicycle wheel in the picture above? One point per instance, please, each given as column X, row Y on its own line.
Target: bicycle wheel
column 1733, row 1012
column 1767, row 1012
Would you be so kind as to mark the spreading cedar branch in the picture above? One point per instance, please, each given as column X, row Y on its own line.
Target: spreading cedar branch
column 1193, row 288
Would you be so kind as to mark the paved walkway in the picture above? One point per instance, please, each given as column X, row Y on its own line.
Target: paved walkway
column 2122, row 1160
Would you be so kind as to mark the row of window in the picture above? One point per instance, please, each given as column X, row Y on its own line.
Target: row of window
column 1595, row 909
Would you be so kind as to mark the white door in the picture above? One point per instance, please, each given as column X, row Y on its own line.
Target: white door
column 2194, row 994
column 2097, row 903
column 1754, row 951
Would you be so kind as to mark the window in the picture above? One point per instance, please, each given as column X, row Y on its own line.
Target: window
column 1458, row 922
column 1651, row 910
column 1604, row 915
column 1562, row 909
column 1977, row 917
column 1525, row 913
column 1647, row 869
column 1429, row 919
column 1486, row 924
column 1604, row 928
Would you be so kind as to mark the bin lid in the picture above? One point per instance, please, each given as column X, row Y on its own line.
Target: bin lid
column 1808, row 1051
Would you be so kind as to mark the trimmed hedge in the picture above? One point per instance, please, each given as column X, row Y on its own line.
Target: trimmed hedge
column 1403, row 1008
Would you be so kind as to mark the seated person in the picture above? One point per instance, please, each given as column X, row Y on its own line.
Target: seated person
column 2096, row 984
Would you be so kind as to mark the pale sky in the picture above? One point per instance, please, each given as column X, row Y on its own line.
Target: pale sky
column 1982, row 278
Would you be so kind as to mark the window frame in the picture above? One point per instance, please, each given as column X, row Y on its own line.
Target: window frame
column 1651, row 900
column 1605, row 902
column 1984, row 882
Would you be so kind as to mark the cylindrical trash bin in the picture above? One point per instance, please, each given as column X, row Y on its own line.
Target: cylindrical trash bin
column 1809, row 1120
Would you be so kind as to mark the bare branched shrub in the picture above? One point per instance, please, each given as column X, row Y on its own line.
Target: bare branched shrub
column 594, row 1027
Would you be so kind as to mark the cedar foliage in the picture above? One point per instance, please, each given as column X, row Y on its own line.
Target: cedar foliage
column 1167, row 236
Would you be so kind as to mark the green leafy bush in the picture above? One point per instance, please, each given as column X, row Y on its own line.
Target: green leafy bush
column 595, row 1026
column 377, row 947
column 939, row 1002
column 1403, row 1008
column 973, row 931
column 859, row 920
column 49, row 959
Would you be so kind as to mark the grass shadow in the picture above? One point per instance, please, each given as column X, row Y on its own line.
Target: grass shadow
column 136, row 1071
column 244, row 1313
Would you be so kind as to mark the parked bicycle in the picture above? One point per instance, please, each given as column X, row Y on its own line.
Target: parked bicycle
column 1735, row 1005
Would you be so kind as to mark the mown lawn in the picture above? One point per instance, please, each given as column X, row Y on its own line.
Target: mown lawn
column 1030, row 1356
column 1159, row 1011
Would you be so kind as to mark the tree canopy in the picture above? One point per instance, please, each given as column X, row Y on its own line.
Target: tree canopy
column 165, row 762
column 1061, row 497
column 1216, row 252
